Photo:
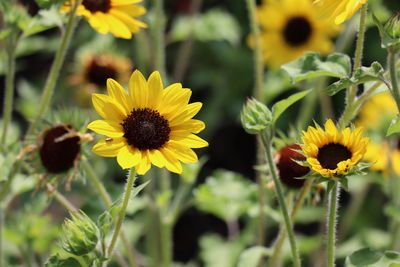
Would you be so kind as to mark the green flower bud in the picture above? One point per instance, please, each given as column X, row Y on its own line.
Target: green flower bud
column 79, row 235
column 255, row 116
column 392, row 27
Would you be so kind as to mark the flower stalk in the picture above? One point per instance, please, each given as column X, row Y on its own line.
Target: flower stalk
column 128, row 190
column 159, row 38
column 9, row 86
column 55, row 70
column 267, row 142
column 332, row 214
column 393, row 76
column 258, row 94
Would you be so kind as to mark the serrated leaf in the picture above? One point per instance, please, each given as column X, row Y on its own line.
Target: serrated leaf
column 361, row 75
column 282, row 105
column 311, row 65
column 364, row 257
column 251, row 256
column 394, row 126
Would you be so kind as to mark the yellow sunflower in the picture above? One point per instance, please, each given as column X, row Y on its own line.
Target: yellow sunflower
column 115, row 16
column 378, row 154
column 148, row 125
column 291, row 27
column 379, row 109
column 333, row 152
column 339, row 10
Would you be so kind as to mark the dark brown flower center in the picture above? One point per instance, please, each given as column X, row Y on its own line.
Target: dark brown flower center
column 288, row 169
column 97, row 5
column 58, row 155
column 297, row 31
column 98, row 72
column 331, row 154
column 146, row 129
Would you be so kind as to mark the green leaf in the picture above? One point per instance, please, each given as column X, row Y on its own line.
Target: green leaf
column 361, row 75
column 282, row 105
column 46, row 19
column 226, row 195
column 394, row 126
column 393, row 211
column 104, row 223
column 364, row 257
column 251, row 256
column 57, row 261
column 311, row 65
column 136, row 190
column 217, row 252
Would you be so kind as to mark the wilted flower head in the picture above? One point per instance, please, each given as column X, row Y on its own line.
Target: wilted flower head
column 288, row 169
column 79, row 235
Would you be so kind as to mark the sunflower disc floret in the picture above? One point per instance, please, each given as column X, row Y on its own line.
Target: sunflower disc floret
column 147, row 125
column 333, row 152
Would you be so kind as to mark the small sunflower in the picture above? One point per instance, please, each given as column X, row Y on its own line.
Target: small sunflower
column 115, row 16
column 291, row 27
column 339, row 10
column 333, row 152
column 379, row 155
column 148, row 125
column 95, row 71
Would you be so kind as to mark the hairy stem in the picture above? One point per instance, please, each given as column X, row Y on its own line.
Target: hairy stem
column 282, row 235
column 279, row 192
column 159, row 38
column 108, row 202
column 331, row 220
column 55, row 70
column 127, row 194
column 393, row 77
column 9, row 85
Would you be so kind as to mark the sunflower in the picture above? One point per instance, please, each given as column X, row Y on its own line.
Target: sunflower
column 333, row 152
column 115, row 16
column 148, row 125
column 291, row 27
column 94, row 72
column 379, row 155
column 339, row 10
column 378, row 110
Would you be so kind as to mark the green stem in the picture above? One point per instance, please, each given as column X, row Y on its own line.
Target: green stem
column 279, row 192
column 166, row 241
column 282, row 235
column 258, row 62
column 393, row 77
column 258, row 94
column 108, row 202
column 359, row 51
column 61, row 199
column 55, row 70
column 9, row 85
column 159, row 38
column 332, row 214
column 121, row 217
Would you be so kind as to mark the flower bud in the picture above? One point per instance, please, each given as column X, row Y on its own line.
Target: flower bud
column 255, row 116
column 392, row 27
column 79, row 235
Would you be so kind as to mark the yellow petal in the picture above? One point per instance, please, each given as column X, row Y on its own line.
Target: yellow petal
column 128, row 157
column 183, row 153
column 190, row 111
column 193, row 141
column 171, row 162
column 107, row 128
column 109, row 148
column 138, row 90
column 117, row 27
column 118, row 93
column 108, row 108
column 124, row 2
column 144, row 165
column 191, row 126
column 155, row 86
column 156, row 158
